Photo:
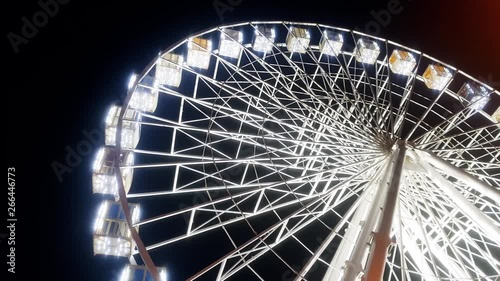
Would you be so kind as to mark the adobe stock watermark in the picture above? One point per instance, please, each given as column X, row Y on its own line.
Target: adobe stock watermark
column 74, row 155
column 31, row 26
column 382, row 18
column 223, row 6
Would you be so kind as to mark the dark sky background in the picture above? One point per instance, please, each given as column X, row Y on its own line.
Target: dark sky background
column 63, row 79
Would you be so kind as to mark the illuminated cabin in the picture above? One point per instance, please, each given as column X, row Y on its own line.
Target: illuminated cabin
column 199, row 52
column 145, row 96
column 366, row 51
column 169, row 69
column 264, row 39
column 104, row 178
column 331, row 43
column 111, row 233
column 131, row 127
column 402, row 62
column 141, row 273
column 298, row 40
column 436, row 77
column 230, row 43
column 476, row 94
column 496, row 116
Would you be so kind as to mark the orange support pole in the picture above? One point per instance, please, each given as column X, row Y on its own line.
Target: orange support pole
column 382, row 239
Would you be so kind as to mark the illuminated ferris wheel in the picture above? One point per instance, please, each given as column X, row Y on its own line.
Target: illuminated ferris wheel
column 299, row 151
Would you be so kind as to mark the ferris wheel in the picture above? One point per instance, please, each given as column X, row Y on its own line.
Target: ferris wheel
column 299, row 151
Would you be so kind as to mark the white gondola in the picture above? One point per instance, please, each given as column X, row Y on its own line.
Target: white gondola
column 230, row 43
column 199, row 52
column 169, row 69
column 264, row 39
column 104, row 178
column 331, row 43
column 298, row 40
column 436, row 77
column 367, row 51
column 131, row 127
column 402, row 62
column 112, row 235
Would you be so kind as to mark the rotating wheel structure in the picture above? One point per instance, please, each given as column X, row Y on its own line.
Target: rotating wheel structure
column 299, row 151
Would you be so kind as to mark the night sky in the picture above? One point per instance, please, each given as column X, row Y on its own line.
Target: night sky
column 62, row 80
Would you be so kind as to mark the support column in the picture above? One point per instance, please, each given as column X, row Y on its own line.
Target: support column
column 458, row 173
column 381, row 238
column 334, row 271
column 475, row 215
column 354, row 265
